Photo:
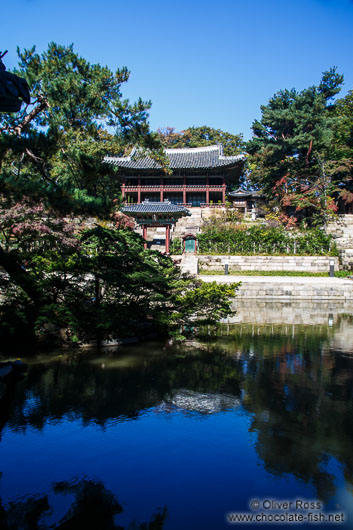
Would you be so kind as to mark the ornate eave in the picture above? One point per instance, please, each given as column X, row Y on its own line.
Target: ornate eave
column 149, row 212
column 197, row 158
column 242, row 194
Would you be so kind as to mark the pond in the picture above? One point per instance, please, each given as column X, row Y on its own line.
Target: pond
column 180, row 436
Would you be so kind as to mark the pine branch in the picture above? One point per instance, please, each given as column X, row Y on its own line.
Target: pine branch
column 42, row 106
column 41, row 165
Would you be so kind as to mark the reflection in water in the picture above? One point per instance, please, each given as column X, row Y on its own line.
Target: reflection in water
column 203, row 403
column 277, row 395
column 300, row 393
column 93, row 508
column 294, row 312
column 84, row 388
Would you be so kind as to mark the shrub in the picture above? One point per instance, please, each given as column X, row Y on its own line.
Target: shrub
column 265, row 240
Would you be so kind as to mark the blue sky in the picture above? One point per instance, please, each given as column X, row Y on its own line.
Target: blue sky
column 200, row 62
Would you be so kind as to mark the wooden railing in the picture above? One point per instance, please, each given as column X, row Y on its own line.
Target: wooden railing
column 211, row 205
column 170, row 187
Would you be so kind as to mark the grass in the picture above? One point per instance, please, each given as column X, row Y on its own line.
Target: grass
column 338, row 274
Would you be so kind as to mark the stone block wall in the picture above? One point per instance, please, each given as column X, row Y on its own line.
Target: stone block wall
column 267, row 263
column 272, row 290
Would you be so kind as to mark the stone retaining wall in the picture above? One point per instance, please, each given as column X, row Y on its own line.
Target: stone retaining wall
column 288, row 291
column 268, row 263
column 346, row 258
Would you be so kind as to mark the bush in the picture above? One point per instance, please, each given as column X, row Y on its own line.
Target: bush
column 265, row 240
column 176, row 246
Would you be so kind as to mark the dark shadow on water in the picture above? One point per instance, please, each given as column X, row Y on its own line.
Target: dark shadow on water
column 94, row 508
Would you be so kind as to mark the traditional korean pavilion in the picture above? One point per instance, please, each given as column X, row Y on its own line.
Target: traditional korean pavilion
column 199, row 176
column 245, row 201
column 160, row 214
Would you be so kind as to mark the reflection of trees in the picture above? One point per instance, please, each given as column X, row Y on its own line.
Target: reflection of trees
column 8, row 393
column 302, row 405
column 94, row 507
column 93, row 393
column 268, row 338
column 300, row 398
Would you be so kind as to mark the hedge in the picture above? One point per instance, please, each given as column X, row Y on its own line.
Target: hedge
column 266, row 241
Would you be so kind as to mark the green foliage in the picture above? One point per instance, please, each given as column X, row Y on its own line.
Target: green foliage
column 206, row 303
column 55, row 147
column 71, row 269
column 264, row 240
column 338, row 274
column 233, row 144
column 292, row 146
column 341, row 169
column 101, row 284
column 176, row 246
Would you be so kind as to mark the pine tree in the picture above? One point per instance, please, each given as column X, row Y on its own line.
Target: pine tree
column 292, row 145
column 69, row 266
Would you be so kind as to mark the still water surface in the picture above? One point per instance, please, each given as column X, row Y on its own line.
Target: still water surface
column 176, row 437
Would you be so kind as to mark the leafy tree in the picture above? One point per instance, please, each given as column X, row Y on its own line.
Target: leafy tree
column 56, row 145
column 292, row 145
column 71, row 265
column 100, row 284
column 341, row 169
column 233, row 144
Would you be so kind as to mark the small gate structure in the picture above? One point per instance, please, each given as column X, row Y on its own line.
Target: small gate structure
column 156, row 214
column 190, row 244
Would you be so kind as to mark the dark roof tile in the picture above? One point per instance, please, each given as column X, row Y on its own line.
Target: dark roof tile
column 186, row 158
column 155, row 207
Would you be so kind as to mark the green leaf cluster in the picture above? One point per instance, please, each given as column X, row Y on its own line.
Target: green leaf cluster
column 67, row 272
column 176, row 246
column 233, row 144
column 107, row 286
column 265, row 240
column 295, row 151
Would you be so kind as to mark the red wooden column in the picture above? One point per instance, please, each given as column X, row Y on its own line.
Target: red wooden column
column 139, row 190
column 184, row 191
column 223, row 191
column 207, row 190
column 167, row 238
column 123, row 189
column 161, row 190
column 144, row 235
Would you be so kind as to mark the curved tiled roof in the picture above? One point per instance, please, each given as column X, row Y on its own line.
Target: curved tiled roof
column 186, row 158
column 242, row 193
column 150, row 207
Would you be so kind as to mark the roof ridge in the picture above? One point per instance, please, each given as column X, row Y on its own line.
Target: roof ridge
column 203, row 148
column 209, row 156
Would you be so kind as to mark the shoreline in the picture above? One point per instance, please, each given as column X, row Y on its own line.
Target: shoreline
column 287, row 288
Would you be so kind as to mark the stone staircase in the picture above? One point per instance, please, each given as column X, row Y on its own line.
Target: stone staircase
column 189, row 264
column 188, row 225
column 342, row 231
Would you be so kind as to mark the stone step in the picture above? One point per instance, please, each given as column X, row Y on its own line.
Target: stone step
column 189, row 264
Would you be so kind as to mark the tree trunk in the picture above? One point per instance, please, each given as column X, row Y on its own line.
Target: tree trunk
column 308, row 154
column 21, row 278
